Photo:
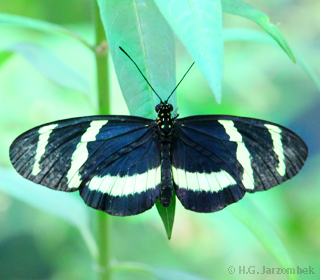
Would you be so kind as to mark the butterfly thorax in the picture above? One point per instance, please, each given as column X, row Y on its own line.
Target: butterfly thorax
column 164, row 119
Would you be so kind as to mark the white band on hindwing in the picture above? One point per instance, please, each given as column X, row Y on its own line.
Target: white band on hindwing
column 208, row 182
column 126, row 185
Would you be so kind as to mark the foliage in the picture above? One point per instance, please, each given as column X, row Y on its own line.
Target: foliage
column 146, row 30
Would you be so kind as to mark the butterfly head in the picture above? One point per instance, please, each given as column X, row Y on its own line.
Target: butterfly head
column 164, row 109
column 164, row 119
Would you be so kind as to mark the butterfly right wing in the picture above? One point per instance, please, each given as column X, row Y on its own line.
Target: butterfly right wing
column 217, row 158
column 114, row 161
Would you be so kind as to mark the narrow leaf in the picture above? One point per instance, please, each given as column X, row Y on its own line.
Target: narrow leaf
column 40, row 25
column 57, row 203
column 51, row 66
column 264, row 231
column 140, row 29
column 240, row 8
column 198, row 25
column 249, row 35
column 167, row 214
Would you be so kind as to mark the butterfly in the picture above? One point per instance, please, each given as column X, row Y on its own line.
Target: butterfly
column 122, row 164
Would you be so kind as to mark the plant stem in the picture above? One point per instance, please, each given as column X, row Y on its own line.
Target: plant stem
column 101, row 54
column 103, row 246
column 103, row 226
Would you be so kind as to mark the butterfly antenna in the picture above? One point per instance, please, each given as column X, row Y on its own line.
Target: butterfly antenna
column 140, row 72
column 180, row 81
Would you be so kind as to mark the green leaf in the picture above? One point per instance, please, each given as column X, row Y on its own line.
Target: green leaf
column 167, row 214
column 240, row 8
column 51, row 66
column 4, row 56
column 62, row 205
column 251, row 216
column 140, row 29
column 249, row 35
column 40, row 25
column 198, row 25
column 159, row 273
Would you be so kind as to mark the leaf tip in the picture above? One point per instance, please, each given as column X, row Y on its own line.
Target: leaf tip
column 217, row 97
column 167, row 215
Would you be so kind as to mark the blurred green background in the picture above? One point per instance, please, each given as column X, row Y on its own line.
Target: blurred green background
column 260, row 81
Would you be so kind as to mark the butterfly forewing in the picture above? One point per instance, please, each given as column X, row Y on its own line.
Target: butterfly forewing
column 113, row 160
column 216, row 159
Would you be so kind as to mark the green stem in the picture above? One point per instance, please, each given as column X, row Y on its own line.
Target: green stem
column 102, row 65
column 103, row 226
column 103, row 261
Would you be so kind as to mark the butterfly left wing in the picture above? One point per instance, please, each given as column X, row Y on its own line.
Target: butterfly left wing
column 216, row 159
column 114, row 161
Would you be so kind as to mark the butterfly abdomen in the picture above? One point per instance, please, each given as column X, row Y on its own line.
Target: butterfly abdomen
column 166, row 174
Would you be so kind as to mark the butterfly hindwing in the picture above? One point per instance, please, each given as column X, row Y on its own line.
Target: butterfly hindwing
column 203, row 172
column 130, row 179
column 216, row 159
column 113, row 160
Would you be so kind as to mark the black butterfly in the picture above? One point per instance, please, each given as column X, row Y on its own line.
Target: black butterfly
column 123, row 164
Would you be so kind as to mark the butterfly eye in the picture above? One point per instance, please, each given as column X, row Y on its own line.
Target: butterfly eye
column 158, row 107
column 170, row 107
